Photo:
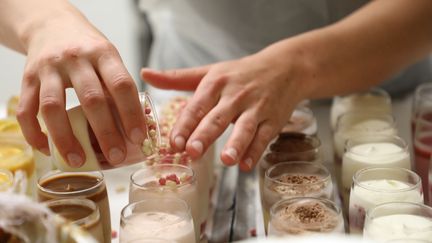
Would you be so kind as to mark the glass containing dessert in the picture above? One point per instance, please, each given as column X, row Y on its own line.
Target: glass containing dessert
column 6, row 180
column 71, row 185
column 372, row 151
column 352, row 125
column 17, row 156
column 169, row 181
column 25, row 220
column 376, row 101
column 95, row 159
column 81, row 212
column 305, row 216
column 302, row 121
column 165, row 219
column 295, row 179
column 398, row 220
column 374, row 186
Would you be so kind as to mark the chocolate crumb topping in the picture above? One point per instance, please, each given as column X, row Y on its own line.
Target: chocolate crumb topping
column 298, row 179
column 310, row 214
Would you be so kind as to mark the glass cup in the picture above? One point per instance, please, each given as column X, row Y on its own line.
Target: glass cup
column 422, row 101
column 376, row 101
column 398, row 220
column 162, row 218
column 295, row 179
column 302, row 121
column 422, row 143
column 95, row 159
column 17, row 157
column 82, row 212
column 168, row 181
column 89, row 185
column 305, row 216
column 372, row 151
column 352, row 125
column 374, row 186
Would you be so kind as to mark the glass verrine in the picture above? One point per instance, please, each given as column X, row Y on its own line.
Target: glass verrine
column 374, row 186
column 81, row 212
column 302, row 121
column 398, row 220
column 168, row 181
column 375, row 101
column 352, row 125
column 372, row 151
column 161, row 218
column 305, row 216
column 295, row 179
column 70, row 185
column 6, row 180
column 422, row 143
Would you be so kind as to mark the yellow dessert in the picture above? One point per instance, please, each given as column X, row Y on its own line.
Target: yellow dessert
column 10, row 125
column 16, row 155
column 6, row 180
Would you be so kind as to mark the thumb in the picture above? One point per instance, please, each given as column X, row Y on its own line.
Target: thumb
column 179, row 79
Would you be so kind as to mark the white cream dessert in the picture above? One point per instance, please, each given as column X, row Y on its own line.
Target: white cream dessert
column 370, row 193
column 304, row 218
column 361, row 127
column 158, row 225
column 399, row 226
column 374, row 154
column 168, row 184
column 367, row 103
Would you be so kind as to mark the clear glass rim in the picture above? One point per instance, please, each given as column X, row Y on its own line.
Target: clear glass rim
column 423, row 87
column 58, row 173
column 326, row 178
column 141, row 187
column 374, row 91
column 372, row 211
column 89, row 219
column 330, row 204
column 371, row 188
column 185, row 215
column 384, row 117
column 398, row 141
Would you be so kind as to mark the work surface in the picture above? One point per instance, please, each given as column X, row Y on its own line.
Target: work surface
column 236, row 212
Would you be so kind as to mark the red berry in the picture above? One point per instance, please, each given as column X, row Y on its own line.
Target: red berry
column 253, row 232
column 147, row 111
column 162, row 181
column 113, row 234
column 173, row 177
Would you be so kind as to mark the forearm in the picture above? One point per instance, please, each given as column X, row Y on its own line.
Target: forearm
column 361, row 50
column 20, row 19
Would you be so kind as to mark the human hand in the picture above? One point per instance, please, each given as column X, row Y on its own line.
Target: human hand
column 257, row 93
column 65, row 52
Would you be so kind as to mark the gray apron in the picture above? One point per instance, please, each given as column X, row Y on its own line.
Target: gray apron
column 188, row 33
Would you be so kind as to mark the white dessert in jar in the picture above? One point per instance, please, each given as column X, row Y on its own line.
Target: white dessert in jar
column 376, row 101
column 370, row 193
column 372, row 151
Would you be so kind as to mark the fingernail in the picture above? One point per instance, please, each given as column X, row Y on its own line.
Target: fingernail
column 45, row 151
column 198, row 146
column 116, row 155
column 180, row 142
column 137, row 135
column 74, row 160
column 232, row 153
column 248, row 162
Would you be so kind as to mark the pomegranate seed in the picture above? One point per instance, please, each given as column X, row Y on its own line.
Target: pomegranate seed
column 172, row 177
column 113, row 234
column 147, row 111
column 253, row 232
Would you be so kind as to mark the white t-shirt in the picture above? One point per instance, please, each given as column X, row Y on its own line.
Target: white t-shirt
column 189, row 33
